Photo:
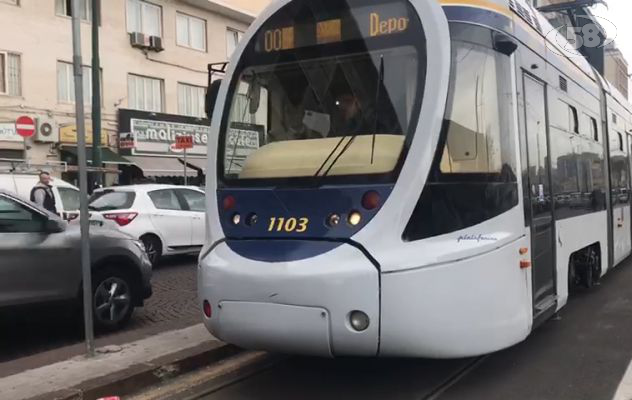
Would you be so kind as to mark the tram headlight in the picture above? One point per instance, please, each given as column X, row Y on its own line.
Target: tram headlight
column 359, row 320
column 354, row 218
column 236, row 219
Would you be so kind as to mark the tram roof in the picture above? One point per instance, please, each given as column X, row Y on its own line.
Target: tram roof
column 525, row 22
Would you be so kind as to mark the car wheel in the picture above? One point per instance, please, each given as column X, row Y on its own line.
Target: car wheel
column 112, row 299
column 153, row 247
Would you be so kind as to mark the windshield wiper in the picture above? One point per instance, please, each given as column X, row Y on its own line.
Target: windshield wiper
column 380, row 79
column 378, row 92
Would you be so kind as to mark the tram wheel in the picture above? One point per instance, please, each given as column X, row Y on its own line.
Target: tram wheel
column 584, row 269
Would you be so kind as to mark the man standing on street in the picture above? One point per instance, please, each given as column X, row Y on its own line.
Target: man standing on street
column 42, row 193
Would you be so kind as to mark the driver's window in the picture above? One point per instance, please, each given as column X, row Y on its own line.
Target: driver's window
column 16, row 218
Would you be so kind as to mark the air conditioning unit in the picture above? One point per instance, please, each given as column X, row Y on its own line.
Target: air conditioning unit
column 155, row 43
column 139, row 40
column 47, row 131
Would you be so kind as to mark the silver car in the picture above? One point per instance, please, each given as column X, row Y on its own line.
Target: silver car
column 40, row 263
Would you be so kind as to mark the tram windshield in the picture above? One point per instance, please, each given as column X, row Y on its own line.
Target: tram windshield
column 325, row 90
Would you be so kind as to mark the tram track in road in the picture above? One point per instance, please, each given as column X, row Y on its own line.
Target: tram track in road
column 453, row 379
column 271, row 376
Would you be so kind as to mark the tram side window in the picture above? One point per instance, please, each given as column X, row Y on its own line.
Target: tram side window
column 619, row 174
column 473, row 178
column 594, row 129
column 474, row 123
column 573, row 119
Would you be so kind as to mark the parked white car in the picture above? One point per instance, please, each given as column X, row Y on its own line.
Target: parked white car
column 168, row 219
column 66, row 195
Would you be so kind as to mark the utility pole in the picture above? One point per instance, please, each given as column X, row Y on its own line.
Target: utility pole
column 84, row 218
column 96, row 93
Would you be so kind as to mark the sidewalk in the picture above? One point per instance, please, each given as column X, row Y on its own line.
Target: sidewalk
column 46, row 334
column 118, row 370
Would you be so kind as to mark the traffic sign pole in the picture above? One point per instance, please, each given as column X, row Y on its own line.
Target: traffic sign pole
column 184, row 142
column 96, row 93
column 84, row 217
column 185, row 167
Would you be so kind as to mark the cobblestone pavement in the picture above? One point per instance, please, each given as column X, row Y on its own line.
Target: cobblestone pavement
column 42, row 336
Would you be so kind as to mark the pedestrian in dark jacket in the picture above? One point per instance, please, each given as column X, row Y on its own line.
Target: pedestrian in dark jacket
column 42, row 193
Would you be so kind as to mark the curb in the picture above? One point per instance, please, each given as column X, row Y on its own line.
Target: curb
column 143, row 375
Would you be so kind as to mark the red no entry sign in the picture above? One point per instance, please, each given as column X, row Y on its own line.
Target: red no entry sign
column 25, row 126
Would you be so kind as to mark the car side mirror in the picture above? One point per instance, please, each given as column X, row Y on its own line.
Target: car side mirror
column 211, row 97
column 54, row 225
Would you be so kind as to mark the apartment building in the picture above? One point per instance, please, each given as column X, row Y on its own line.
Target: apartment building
column 610, row 60
column 153, row 62
column 617, row 69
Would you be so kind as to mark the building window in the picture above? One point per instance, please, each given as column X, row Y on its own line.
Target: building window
column 191, row 100
column 145, row 93
column 232, row 40
column 10, row 79
column 144, row 17
column 64, row 8
column 66, row 83
column 191, row 32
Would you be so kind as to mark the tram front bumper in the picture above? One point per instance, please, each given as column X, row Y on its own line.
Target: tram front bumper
column 298, row 307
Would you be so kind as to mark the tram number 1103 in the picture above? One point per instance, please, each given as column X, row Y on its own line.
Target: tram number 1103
column 297, row 225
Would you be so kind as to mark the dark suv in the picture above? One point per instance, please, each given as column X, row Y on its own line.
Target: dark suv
column 40, row 263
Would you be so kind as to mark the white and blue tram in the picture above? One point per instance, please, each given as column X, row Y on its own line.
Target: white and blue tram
column 408, row 178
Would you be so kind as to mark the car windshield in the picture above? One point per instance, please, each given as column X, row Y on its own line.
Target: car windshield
column 69, row 198
column 342, row 108
column 111, row 200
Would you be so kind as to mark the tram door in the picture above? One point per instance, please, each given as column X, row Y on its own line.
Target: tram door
column 540, row 196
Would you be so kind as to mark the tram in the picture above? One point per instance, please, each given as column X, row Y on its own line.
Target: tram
column 414, row 178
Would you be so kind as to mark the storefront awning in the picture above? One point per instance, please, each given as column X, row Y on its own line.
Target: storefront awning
column 196, row 163
column 161, row 166
column 107, row 155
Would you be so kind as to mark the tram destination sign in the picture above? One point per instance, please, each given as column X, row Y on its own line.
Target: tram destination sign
column 364, row 22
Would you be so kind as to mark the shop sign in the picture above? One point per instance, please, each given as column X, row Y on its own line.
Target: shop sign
column 8, row 132
column 68, row 134
column 159, row 137
column 126, row 141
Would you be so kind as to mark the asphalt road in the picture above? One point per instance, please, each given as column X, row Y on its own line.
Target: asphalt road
column 581, row 354
column 46, row 335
